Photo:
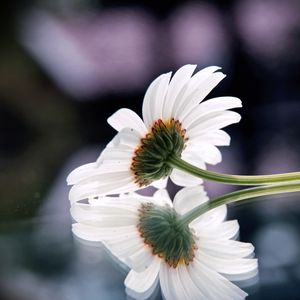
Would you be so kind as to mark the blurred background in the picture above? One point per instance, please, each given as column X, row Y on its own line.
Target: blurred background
column 67, row 65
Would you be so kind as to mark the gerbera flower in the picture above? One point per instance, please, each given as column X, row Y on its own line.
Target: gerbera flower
column 195, row 261
column 175, row 123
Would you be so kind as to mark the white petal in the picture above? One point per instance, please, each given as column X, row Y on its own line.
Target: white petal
column 80, row 173
column 212, row 217
column 190, row 157
column 126, row 118
column 162, row 197
column 160, row 184
column 205, row 152
column 104, row 214
column 213, row 285
column 216, row 137
column 152, row 97
column 118, row 165
column 181, row 178
column 116, row 220
column 193, row 85
column 130, row 202
column 200, row 77
column 150, row 93
column 98, row 178
column 141, row 285
column 113, row 183
column 225, row 230
column 198, row 95
column 175, row 284
column 129, row 137
column 141, row 260
column 209, row 106
column 127, row 242
column 179, row 80
column 113, row 224
column 189, row 180
column 124, row 246
column 117, row 154
column 236, row 269
column 159, row 101
column 80, row 176
column 98, row 234
column 221, row 103
column 122, row 146
column 214, row 121
column 115, row 233
column 87, row 232
column 182, row 284
column 166, row 283
column 225, row 248
column 114, row 143
column 80, row 214
column 122, row 240
column 191, row 289
column 188, row 198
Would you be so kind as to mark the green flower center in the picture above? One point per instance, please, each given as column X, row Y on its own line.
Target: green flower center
column 161, row 229
column 150, row 163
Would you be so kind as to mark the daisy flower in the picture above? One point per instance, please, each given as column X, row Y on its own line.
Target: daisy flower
column 195, row 261
column 175, row 123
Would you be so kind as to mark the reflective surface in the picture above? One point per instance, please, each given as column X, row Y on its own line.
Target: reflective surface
column 40, row 259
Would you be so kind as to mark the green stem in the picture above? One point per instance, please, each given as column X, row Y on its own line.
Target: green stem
column 177, row 162
column 240, row 195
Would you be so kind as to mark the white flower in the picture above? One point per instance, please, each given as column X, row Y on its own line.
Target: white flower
column 175, row 122
column 190, row 262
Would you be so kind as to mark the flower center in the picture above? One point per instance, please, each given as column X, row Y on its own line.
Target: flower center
column 169, row 239
column 165, row 139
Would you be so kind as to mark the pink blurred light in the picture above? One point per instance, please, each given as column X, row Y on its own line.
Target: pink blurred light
column 198, row 34
column 120, row 49
column 267, row 26
column 89, row 56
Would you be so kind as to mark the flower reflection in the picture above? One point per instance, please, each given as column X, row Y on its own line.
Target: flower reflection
column 198, row 261
column 95, row 256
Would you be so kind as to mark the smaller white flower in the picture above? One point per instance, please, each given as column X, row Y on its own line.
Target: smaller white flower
column 175, row 123
column 192, row 262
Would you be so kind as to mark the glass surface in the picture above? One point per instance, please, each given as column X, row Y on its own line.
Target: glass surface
column 41, row 259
